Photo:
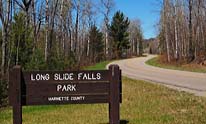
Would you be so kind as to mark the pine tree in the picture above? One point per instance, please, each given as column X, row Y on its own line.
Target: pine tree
column 119, row 33
column 96, row 44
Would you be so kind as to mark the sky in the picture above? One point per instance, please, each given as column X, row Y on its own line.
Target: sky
column 147, row 11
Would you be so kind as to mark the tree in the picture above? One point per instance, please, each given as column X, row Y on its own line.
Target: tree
column 47, row 30
column 140, row 35
column 166, row 18
column 107, row 6
column 5, row 11
column 135, row 38
column 96, row 44
column 22, row 50
column 191, row 46
column 118, row 32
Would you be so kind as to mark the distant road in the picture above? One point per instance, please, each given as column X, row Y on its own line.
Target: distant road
column 185, row 81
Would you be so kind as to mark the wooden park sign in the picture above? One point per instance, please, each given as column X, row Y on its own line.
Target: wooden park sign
column 65, row 87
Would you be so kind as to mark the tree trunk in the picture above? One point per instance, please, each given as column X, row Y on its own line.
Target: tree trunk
column 3, row 47
column 106, row 43
column 141, row 47
column 76, row 31
column 34, row 28
column 191, row 50
column 5, row 19
column 176, row 35
column 47, row 31
column 166, row 29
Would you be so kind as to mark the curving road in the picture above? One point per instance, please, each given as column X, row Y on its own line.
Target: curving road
column 181, row 80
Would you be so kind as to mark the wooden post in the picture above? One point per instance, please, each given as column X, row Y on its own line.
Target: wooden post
column 16, row 94
column 114, row 104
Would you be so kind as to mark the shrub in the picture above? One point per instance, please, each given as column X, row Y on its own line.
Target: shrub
column 3, row 92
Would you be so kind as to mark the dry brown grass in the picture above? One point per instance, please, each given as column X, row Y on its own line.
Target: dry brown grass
column 161, row 61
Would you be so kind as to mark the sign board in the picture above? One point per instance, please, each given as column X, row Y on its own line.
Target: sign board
column 65, row 87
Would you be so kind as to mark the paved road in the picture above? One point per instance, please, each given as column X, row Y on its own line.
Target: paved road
column 186, row 81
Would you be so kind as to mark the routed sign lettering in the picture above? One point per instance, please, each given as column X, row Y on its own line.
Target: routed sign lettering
column 65, row 87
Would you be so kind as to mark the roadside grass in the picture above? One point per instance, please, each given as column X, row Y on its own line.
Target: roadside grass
column 98, row 66
column 192, row 68
column 143, row 103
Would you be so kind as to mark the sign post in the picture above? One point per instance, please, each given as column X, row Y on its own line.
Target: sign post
column 114, row 92
column 15, row 96
column 65, row 87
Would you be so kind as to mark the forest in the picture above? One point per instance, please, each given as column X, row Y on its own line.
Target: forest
column 182, row 30
column 63, row 35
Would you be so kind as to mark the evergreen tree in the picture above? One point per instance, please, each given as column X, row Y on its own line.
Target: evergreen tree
column 21, row 41
column 119, row 34
column 96, row 44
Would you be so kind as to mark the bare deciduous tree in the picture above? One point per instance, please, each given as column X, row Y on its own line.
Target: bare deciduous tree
column 182, row 30
column 5, row 21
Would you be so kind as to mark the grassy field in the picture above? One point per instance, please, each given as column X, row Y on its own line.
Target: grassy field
column 143, row 103
column 192, row 68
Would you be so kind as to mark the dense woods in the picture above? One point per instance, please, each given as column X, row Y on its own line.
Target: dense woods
column 182, row 30
column 63, row 35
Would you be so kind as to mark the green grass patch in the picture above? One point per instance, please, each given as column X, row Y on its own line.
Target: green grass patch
column 192, row 68
column 143, row 103
column 98, row 66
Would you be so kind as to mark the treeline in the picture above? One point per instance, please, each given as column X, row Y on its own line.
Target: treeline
column 63, row 35
column 182, row 30
column 39, row 33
